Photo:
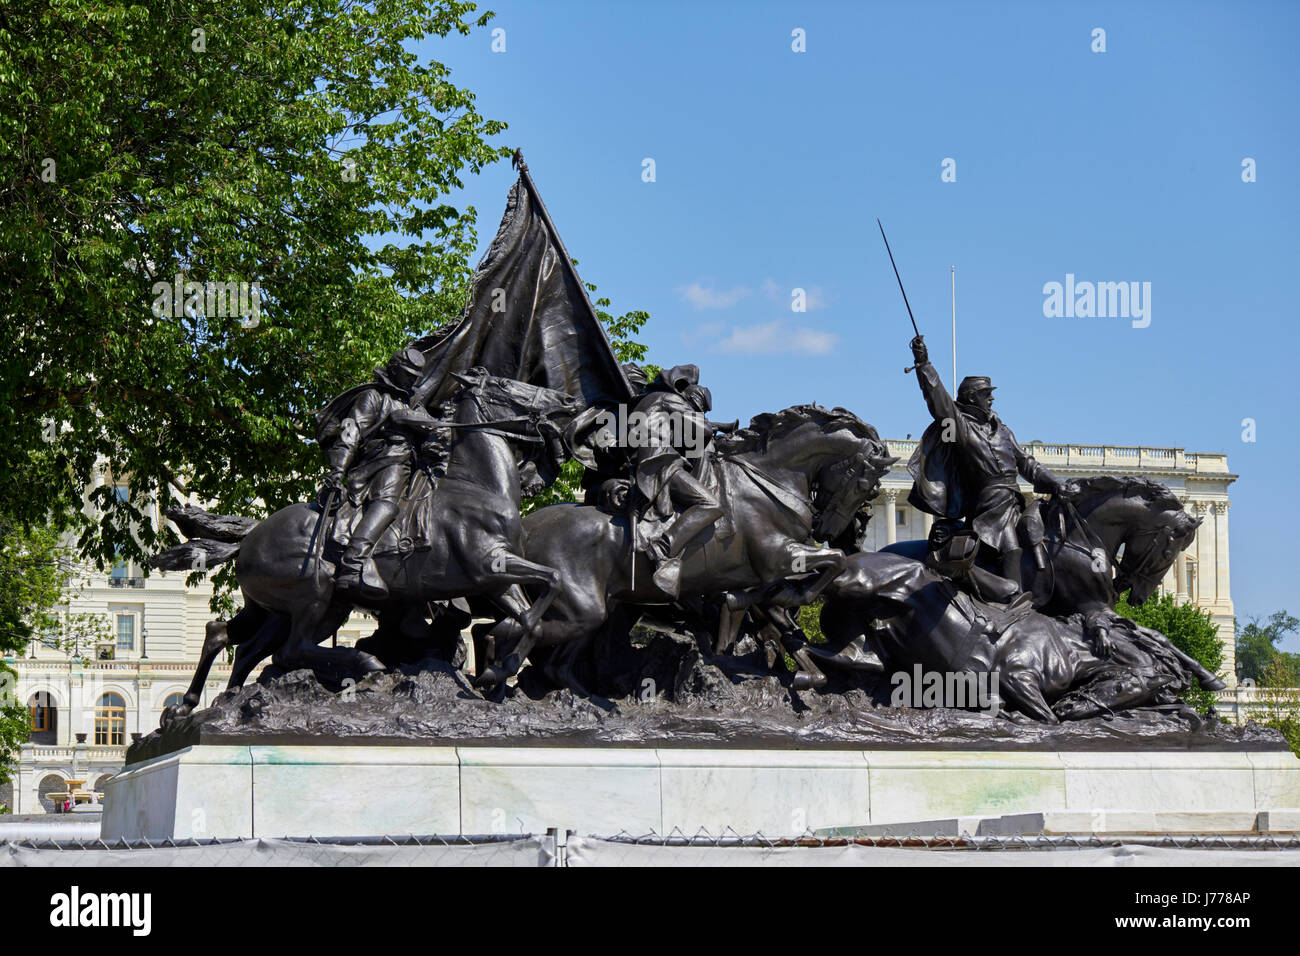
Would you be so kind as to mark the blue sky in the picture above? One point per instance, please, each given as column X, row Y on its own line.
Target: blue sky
column 771, row 167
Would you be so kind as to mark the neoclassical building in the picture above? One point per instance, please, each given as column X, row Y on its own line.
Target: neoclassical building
column 86, row 703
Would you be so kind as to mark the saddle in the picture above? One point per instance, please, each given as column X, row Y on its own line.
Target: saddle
column 410, row 531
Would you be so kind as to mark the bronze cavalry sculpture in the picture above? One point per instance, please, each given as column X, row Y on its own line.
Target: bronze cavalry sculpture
column 685, row 522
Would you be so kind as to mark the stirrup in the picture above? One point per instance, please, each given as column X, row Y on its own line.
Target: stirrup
column 667, row 576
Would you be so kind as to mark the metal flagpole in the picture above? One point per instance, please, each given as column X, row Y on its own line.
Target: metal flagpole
column 954, row 330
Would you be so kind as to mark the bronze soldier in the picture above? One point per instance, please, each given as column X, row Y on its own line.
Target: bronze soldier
column 672, row 428
column 965, row 469
column 367, row 435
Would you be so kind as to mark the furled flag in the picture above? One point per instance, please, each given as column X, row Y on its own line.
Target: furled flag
column 529, row 317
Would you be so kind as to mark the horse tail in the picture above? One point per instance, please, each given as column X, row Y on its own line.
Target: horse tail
column 214, row 539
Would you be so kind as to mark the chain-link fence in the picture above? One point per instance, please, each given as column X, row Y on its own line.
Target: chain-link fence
column 521, row 850
column 561, row 848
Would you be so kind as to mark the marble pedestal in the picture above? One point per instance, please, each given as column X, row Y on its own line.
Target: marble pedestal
column 305, row 790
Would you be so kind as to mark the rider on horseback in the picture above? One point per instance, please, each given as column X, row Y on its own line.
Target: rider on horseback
column 673, row 429
column 366, row 435
column 965, row 467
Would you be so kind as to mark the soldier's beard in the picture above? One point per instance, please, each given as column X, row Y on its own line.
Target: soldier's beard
column 979, row 414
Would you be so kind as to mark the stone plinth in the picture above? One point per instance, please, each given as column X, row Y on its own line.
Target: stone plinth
column 361, row 790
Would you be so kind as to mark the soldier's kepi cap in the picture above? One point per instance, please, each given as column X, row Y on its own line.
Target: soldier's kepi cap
column 972, row 385
column 408, row 362
column 412, row 360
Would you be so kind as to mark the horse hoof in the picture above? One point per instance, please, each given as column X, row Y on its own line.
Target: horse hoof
column 368, row 663
column 174, row 713
column 490, row 677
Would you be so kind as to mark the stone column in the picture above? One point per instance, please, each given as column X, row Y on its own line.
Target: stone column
column 26, row 782
column 1222, row 593
column 1180, row 564
column 1204, row 554
column 891, row 516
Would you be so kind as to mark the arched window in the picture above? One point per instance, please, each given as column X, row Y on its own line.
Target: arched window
column 110, row 721
column 44, row 718
column 174, row 700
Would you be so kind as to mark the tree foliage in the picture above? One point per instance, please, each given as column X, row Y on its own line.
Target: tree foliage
column 1189, row 628
column 1257, row 646
column 299, row 145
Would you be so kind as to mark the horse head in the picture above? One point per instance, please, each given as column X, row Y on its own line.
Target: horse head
column 1144, row 522
column 509, row 402
column 841, row 457
column 845, row 485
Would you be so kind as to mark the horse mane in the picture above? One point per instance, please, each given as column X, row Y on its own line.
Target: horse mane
column 1156, row 495
column 769, row 425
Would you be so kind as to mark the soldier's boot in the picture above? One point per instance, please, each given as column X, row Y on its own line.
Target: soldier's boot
column 357, row 571
column 1035, row 534
column 1011, row 571
column 668, row 547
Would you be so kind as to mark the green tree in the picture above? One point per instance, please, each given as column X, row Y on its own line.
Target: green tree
column 1280, row 699
column 1257, row 645
column 299, row 145
column 1189, row 628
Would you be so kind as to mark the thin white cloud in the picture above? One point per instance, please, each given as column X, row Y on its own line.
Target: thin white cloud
column 775, row 337
column 702, row 297
column 702, row 333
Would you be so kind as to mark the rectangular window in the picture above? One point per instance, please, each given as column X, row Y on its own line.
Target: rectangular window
column 50, row 638
column 1191, row 581
column 126, row 632
column 900, row 517
column 40, row 717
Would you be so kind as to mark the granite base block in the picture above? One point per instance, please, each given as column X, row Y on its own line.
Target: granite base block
column 214, row 791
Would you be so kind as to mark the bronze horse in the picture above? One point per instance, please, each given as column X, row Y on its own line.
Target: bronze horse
column 790, row 480
column 1109, row 535
column 1084, row 661
column 476, row 546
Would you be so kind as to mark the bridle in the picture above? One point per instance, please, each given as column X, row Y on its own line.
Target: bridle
column 535, row 417
column 1130, row 570
column 842, row 506
column 1125, row 576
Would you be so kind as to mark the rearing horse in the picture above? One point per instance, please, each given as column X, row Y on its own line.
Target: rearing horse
column 475, row 546
column 769, row 476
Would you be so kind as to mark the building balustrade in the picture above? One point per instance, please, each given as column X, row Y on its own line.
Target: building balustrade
column 1104, row 456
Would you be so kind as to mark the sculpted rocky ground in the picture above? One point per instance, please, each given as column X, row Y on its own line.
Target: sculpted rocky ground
column 732, row 702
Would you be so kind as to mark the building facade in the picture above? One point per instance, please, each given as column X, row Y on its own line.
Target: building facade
column 87, row 703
